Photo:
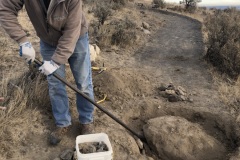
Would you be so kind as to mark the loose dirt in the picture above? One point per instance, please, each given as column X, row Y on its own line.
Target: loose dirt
column 172, row 54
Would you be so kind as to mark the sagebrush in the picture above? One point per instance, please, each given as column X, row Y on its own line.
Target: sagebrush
column 117, row 32
column 159, row 3
column 223, row 28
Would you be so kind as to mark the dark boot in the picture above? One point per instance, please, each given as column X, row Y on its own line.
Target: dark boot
column 87, row 128
column 56, row 136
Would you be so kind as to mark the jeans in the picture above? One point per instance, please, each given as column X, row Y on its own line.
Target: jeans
column 80, row 65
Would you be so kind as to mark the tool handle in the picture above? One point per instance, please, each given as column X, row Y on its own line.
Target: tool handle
column 94, row 103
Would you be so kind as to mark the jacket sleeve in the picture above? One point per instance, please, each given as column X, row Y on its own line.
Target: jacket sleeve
column 8, row 19
column 71, row 32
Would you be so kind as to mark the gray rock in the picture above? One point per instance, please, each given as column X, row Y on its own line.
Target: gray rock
column 170, row 92
column 162, row 87
column 174, row 138
column 173, row 98
column 67, row 154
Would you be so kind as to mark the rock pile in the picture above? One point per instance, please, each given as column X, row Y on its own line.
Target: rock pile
column 93, row 147
column 173, row 94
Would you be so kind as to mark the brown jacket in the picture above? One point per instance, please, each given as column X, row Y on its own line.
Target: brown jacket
column 61, row 26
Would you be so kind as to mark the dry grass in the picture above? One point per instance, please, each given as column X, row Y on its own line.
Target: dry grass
column 23, row 92
column 111, row 27
column 228, row 90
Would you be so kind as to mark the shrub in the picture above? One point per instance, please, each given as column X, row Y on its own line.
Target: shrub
column 223, row 43
column 124, row 34
column 190, row 5
column 118, row 32
column 177, row 8
column 159, row 3
column 118, row 4
column 122, row 2
column 102, row 11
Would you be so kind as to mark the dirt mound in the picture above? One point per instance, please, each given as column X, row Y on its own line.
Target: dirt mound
column 121, row 84
column 176, row 138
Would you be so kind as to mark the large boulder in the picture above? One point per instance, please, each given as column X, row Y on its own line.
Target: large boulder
column 175, row 138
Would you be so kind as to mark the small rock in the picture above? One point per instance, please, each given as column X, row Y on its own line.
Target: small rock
column 180, row 92
column 190, row 99
column 183, row 98
column 75, row 156
column 194, row 93
column 163, row 87
column 67, row 154
column 173, row 98
column 146, row 31
column 139, row 143
column 181, row 88
column 171, row 87
column 170, row 92
column 145, row 25
column 163, row 94
column 56, row 159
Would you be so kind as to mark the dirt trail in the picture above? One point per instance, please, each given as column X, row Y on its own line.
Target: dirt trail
column 173, row 54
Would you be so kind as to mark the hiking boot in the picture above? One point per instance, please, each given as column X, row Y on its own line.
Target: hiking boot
column 87, row 128
column 56, row 136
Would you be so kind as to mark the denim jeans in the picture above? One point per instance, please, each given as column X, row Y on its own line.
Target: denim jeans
column 80, row 65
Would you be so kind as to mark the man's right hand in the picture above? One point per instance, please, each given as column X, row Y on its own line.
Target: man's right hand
column 27, row 52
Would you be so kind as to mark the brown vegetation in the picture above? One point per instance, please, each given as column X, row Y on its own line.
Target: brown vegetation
column 223, row 42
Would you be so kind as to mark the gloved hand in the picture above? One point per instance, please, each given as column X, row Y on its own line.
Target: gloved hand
column 27, row 52
column 48, row 67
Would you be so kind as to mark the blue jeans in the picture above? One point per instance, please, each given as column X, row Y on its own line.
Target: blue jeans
column 80, row 65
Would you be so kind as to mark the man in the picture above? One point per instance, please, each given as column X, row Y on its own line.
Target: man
column 62, row 29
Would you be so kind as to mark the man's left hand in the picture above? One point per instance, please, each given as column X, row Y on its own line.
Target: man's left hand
column 49, row 67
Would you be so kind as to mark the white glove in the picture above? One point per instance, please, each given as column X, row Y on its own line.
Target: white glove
column 27, row 52
column 48, row 67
